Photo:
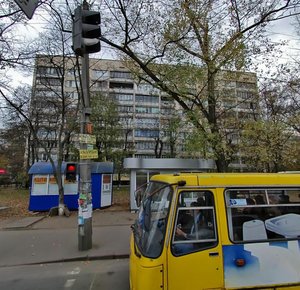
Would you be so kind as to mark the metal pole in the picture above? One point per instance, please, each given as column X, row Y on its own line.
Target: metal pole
column 85, row 208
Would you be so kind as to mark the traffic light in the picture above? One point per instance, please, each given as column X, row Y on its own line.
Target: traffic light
column 71, row 172
column 86, row 31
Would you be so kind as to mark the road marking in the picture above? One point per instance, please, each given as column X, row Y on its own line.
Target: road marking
column 93, row 281
column 69, row 283
column 76, row 271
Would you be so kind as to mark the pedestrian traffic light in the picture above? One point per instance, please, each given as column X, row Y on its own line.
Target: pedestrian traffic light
column 86, row 31
column 71, row 171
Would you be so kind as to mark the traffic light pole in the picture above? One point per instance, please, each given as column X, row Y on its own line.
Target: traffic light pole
column 85, row 208
column 85, row 36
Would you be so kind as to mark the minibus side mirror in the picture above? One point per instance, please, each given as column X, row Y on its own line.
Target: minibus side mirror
column 138, row 198
column 147, row 213
column 139, row 194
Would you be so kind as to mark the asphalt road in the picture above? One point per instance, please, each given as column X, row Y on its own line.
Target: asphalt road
column 87, row 275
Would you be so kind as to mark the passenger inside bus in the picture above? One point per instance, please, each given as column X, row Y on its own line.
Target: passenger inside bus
column 193, row 226
column 196, row 220
column 274, row 215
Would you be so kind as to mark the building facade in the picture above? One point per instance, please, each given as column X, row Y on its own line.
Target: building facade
column 145, row 112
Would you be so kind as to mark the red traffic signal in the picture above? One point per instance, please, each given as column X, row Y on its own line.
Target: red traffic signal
column 71, row 167
column 71, row 172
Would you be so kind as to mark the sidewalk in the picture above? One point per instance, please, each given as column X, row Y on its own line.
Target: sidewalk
column 54, row 239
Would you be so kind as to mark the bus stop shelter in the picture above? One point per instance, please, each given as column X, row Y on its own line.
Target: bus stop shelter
column 142, row 169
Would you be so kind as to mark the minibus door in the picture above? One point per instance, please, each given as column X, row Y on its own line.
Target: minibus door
column 194, row 261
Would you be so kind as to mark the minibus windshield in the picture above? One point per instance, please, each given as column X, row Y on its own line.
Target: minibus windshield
column 150, row 226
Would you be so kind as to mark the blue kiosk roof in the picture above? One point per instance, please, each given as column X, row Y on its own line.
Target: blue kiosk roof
column 46, row 167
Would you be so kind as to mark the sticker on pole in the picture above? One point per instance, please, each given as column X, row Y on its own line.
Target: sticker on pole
column 88, row 154
column 85, row 138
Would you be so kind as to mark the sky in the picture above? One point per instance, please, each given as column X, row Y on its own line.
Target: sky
column 285, row 30
column 278, row 31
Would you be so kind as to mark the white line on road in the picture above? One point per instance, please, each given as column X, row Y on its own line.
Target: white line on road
column 76, row 271
column 69, row 283
column 92, row 284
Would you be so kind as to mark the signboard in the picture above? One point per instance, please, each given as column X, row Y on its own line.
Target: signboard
column 88, row 154
column 52, row 186
column 40, row 185
column 52, row 180
column 85, row 138
column 106, row 196
column 27, row 6
column 40, row 179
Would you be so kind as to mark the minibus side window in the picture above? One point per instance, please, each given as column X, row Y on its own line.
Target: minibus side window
column 195, row 226
column 263, row 214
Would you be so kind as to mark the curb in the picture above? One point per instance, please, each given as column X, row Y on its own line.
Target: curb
column 4, row 208
column 74, row 259
column 23, row 223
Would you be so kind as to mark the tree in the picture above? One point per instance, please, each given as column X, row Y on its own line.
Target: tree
column 171, row 127
column 183, row 47
column 268, row 144
column 15, row 51
column 12, row 148
column 54, row 109
column 112, row 135
column 106, row 125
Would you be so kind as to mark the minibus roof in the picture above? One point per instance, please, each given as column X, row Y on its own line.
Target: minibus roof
column 230, row 179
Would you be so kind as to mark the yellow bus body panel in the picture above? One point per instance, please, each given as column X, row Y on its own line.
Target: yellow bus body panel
column 224, row 180
column 167, row 271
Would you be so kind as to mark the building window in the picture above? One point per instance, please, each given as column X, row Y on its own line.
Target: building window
column 122, row 97
column 98, row 74
column 117, row 85
column 229, row 104
column 73, row 72
column 125, row 109
column 71, row 84
column 43, row 70
column 121, row 75
column 74, row 95
column 244, row 105
column 146, row 110
column 147, row 99
column 49, row 81
column 100, row 84
column 229, row 84
column 145, row 145
column 167, row 111
column 245, row 95
column 147, row 122
column 147, row 88
column 146, row 133
column 243, row 85
column 166, row 101
column 44, row 93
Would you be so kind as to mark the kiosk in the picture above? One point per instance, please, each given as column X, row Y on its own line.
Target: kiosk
column 44, row 189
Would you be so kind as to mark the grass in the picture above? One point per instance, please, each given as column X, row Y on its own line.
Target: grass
column 121, row 197
column 17, row 201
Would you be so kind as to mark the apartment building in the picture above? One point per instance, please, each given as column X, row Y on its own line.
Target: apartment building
column 143, row 110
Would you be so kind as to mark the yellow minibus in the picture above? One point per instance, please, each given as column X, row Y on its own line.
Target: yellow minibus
column 217, row 231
